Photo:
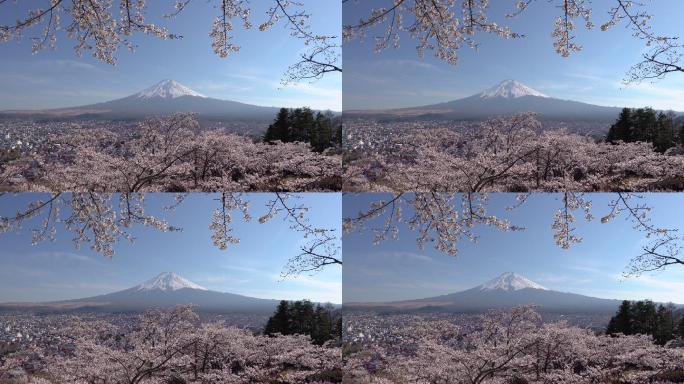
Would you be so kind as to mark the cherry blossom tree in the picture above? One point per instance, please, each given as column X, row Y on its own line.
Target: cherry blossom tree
column 170, row 155
column 512, row 346
column 101, row 220
column 445, row 26
column 173, row 346
column 510, row 154
column 103, row 26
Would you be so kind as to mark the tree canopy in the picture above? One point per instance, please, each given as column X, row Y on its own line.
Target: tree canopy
column 647, row 125
column 645, row 318
column 303, row 318
column 321, row 130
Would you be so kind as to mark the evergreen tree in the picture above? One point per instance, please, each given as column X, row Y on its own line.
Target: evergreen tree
column 279, row 130
column 622, row 321
column 681, row 327
column 622, row 129
column 664, row 330
column 645, row 125
column 337, row 137
column 301, row 124
column 323, row 325
column 681, row 134
column 665, row 133
column 337, row 328
column 280, row 321
column 321, row 136
column 301, row 317
column 643, row 317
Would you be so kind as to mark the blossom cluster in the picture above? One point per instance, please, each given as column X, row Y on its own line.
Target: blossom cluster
column 171, row 155
column 512, row 346
column 173, row 346
column 512, row 154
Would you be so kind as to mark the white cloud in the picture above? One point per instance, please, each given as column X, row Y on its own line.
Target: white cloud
column 411, row 256
column 61, row 65
column 64, row 256
column 401, row 65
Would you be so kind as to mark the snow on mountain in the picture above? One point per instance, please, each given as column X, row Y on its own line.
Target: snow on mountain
column 168, row 281
column 167, row 89
column 165, row 98
column 510, row 281
column 510, row 89
column 507, row 98
column 507, row 291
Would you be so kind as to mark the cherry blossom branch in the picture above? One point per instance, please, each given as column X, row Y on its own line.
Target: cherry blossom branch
column 96, row 27
column 436, row 217
column 442, row 218
column 663, row 252
column 440, row 26
column 93, row 219
column 170, row 155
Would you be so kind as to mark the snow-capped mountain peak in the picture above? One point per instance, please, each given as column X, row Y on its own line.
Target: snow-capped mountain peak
column 168, row 281
column 510, row 89
column 168, row 89
column 510, row 281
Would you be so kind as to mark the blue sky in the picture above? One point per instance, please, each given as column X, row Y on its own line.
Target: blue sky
column 56, row 270
column 395, row 270
column 60, row 79
column 398, row 78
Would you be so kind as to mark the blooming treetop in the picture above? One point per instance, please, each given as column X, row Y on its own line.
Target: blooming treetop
column 169, row 346
column 510, row 347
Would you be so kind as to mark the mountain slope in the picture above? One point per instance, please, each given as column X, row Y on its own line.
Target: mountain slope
column 506, row 291
column 165, row 290
column 164, row 98
column 679, row 121
column 506, row 98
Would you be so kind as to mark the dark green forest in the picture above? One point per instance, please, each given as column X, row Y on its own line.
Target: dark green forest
column 661, row 129
column 321, row 322
column 645, row 317
column 321, row 130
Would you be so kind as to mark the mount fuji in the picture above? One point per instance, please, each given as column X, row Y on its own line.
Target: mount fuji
column 165, row 290
column 164, row 98
column 506, row 98
column 167, row 89
column 510, row 281
column 168, row 281
column 505, row 291
column 510, row 89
